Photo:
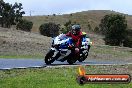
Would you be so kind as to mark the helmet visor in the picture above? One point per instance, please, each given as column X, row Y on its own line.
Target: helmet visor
column 74, row 31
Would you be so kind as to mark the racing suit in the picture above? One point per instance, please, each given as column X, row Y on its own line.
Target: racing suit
column 77, row 39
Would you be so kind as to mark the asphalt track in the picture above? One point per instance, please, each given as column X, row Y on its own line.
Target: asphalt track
column 33, row 63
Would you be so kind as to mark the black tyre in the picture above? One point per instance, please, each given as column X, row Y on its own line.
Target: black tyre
column 48, row 58
column 83, row 57
column 71, row 59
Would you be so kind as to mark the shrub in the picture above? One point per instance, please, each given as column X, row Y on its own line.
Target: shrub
column 96, row 30
column 64, row 30
column 49, row 29
column 67, row 27
column 113, row 26
column 54, row 14
column 128, row 40
column 25, row 25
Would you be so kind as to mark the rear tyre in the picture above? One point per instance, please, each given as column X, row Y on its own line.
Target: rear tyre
column 83, row 57
column 48, row 58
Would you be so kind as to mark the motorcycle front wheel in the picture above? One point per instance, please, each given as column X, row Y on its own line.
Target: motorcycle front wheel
column 48, row 58
column 71, row 59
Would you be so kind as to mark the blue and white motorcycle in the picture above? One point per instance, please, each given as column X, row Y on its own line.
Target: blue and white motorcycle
column 85, row 47
column 62, row 47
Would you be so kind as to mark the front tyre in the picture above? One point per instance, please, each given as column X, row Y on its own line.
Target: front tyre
column 48, row 58
column 71, row 59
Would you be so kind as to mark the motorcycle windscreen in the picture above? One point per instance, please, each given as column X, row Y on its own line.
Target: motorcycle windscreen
column 62, row 37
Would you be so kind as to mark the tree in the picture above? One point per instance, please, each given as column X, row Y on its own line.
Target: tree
column 4, row 10
column 49, row 29
column 10, row 14
column 18, row 13
column 71, row 14
column 2, row 3
column 54, row 14
column 7, row 15
column 113, row 26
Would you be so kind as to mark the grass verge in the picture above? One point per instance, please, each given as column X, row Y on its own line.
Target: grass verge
column 110, row 52
column 59, row 77
column 22, row 56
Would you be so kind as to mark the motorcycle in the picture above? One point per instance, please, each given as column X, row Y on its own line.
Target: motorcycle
column 85, row 47
column 62, row 47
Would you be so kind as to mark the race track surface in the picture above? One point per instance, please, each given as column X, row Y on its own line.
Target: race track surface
column 27, row 63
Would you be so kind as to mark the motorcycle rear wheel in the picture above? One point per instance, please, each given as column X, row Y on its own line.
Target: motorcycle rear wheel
column 83, row 57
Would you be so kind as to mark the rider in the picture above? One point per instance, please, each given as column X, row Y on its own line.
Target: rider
column 76, row 35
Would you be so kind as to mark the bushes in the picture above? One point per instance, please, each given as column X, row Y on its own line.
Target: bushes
column 128, row 40
column 96, row 30
column 49, row 29
column 67, row 27
column 114, row 26
column 64, row 30
column 24, row 25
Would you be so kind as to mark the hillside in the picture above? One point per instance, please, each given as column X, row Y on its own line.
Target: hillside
column 16, row 42
column 92, row 17
column 20, row 44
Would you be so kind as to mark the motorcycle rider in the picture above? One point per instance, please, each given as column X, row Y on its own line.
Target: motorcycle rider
column 76, row 35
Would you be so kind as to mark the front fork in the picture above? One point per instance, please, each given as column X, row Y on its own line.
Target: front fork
column 56, row 53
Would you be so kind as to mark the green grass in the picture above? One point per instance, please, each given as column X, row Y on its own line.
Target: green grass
column 111, row 51
column 22, row 56
column 48, row 78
